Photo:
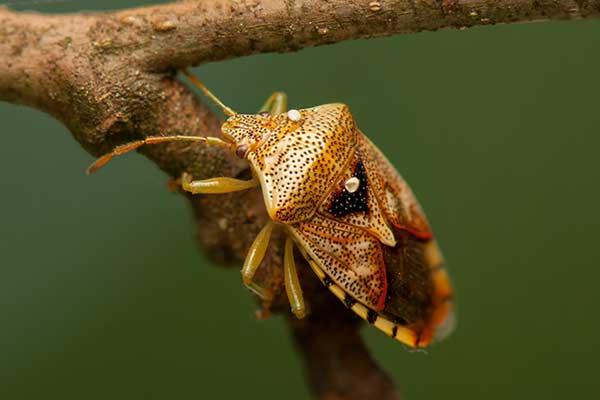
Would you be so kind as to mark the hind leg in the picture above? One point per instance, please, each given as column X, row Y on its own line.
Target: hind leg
column 292, row 283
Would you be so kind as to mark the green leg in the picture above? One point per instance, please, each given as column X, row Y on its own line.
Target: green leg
column 215, row 185
column 292, row 283
column 127, row 147
column 255, row 255
column 276, row 104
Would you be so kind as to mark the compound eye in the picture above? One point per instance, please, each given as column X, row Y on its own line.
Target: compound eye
column 241, row 150
column 264, row 114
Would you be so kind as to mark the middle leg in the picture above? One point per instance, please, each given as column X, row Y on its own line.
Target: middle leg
column 255, row 255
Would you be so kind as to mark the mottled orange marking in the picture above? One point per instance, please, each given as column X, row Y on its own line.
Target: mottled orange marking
column 351, row 258
column 296, row 161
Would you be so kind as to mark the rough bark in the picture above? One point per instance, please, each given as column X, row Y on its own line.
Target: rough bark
column 110, row 78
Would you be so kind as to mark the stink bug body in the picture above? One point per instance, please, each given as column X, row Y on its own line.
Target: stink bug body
column 345, row 207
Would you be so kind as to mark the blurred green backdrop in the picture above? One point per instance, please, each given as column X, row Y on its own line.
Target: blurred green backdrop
column 103, row 291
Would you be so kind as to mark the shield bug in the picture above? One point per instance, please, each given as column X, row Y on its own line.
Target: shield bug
column 345, row 207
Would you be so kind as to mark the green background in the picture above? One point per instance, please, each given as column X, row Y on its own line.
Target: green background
column 104, row 294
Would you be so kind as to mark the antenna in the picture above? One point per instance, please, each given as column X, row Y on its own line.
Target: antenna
column 226, row 110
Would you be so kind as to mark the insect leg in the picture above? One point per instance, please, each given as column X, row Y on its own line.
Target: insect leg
column 215, row 185
column 292, row 284
column 256, row 253
column 275, row 104
column 127, row 147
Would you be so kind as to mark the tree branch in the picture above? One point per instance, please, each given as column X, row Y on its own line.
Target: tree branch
column 109, row 78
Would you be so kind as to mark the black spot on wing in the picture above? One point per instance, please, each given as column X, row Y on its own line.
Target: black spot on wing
column 418, row 339
column 349, row 301
column 371, row 316
column 347, row 203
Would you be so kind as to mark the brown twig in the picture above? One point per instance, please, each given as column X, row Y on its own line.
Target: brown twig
column 109, row 77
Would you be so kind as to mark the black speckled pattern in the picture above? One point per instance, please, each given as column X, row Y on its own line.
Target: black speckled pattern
column 347, row 203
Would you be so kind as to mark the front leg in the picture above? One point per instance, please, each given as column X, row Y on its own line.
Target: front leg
column 276, row 104
column 215, row 185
